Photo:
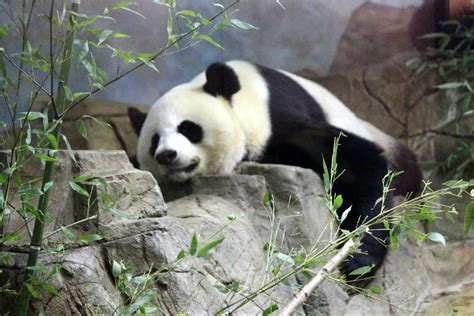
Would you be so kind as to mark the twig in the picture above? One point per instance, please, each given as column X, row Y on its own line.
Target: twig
column 376, row 97
column 24, row 73
column 309, row 288
column 436, row 132
column 141, row 64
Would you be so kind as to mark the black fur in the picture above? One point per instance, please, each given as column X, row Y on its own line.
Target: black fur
column 360, row 184
column 290, row 105
column 191, row 131
column 221, row 80
column 154, row 144
column 301, row 136
column 137, row 118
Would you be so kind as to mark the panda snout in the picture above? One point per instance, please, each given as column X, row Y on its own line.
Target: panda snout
column 166, row 157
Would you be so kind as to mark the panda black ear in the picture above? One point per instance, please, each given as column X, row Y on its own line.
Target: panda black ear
column 137, row 118
column 221, row 80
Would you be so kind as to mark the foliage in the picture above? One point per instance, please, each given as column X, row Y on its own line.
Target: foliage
column 42, row 69
column 453, row 61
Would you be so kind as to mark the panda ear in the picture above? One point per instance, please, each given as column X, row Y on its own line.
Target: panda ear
column 137, row 118
column 221, row 80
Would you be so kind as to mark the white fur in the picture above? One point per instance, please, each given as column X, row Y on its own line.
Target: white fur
column 231, row 130
column 336, row 112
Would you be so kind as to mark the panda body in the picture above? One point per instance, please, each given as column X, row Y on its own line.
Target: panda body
column 239, row 111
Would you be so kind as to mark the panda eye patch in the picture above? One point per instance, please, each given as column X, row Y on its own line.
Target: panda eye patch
column 191, row 131
column 154, row 144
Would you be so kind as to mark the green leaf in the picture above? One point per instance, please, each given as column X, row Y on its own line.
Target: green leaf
column 120, row 35
column 242, row 25
column 269, row 310
column 266, row 197
column 69, row 149
column 4, row 29
column 221, row 288
column 116, row 268
column 193, row 246
column 362, row 270
column 284, row 257
column 376, row 289
column 450, row 85
column 209, row 40
column 82, row 178
column 469, row 216
column 90, row 238
column 181, row 255
column 433, row 35
column 148, row 63
column 337, row 202
column 204, row 251
column 437, row 237
column 345, row 213
column 45, row 157
column 121, row 5
column 187, row 12
column 48, row 288
column 119, row 213
column 32, row 116
column 81, row 127
column 68, row 233
column 326, row 180
column 103, row 36
column 36, row 294
column 47, row 186
column 68, row 93
column 53, row 141
column 76, row 187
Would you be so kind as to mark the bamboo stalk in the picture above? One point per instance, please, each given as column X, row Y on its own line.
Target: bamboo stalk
column 37, row 238
column 309, row 288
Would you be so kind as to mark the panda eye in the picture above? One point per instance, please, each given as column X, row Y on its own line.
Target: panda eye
column 154, row 144
column 191, row 131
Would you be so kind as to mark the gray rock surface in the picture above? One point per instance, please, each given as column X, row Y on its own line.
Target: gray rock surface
column 417, row 278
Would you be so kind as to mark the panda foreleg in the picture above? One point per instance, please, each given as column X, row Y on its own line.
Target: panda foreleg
column 361, row 186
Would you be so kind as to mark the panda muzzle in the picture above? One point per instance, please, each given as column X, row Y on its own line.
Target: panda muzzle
column 186, row 169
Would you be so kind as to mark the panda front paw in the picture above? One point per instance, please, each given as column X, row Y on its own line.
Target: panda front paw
column 359, row 269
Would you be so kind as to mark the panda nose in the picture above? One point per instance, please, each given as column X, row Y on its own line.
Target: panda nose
column 166, row 157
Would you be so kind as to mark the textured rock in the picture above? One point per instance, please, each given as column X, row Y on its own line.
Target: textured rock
column 133, row 191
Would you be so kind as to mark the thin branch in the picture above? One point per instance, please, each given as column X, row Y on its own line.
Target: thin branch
column 376, row 97
column 25, row 74
column 309, row 288
column 442, row 133
column 51, row 60
column 141, row 64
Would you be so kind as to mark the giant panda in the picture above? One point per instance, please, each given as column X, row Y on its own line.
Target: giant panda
column 238, row 111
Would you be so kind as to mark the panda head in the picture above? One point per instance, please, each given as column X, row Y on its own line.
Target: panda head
column 192, row 129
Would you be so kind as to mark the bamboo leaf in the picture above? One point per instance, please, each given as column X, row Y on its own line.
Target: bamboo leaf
column 469, row 216
column 204, row 251
column 45, row 157
column 90, row 238
column 242, row 25
column 81, row 127
column 69, row 149
column 337, row 202
column 437, row 237
column 193, row 246
column 269, row 310
column 362, row 270
column 68, row 233
column 209, row 40
column 77, row 188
